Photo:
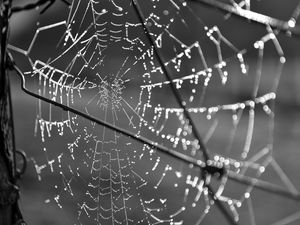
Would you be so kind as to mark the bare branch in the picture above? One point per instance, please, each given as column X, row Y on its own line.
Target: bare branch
column 277, row 24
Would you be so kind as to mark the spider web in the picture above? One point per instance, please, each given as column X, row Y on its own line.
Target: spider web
column 98, row 60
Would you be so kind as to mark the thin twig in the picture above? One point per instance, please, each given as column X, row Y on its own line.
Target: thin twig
column 141, row 139
column 166, row 72
column 277, row 24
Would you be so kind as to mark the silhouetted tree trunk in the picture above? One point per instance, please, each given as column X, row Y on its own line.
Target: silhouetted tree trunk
column 8, row 190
